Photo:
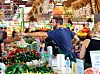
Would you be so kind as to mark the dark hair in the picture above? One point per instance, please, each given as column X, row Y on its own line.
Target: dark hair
column 13, row 33
column 59, row 20
column 27, row 30
column 83, row 25
column 70, row 21
column 89, row 20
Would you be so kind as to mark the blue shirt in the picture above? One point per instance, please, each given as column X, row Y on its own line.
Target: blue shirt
column 62, row 37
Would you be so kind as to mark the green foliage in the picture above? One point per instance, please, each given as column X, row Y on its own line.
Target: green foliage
column 22, row 56
column 29, row 39
column 25, row 57
column 18, row 69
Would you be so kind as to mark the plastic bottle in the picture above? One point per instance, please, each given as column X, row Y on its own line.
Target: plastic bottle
column 38, row 44
column 68, row 65
column 42, row 52
column 50, row 53
column 67, row 62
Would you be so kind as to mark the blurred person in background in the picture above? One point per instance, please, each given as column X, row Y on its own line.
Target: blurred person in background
column 14, row 34
column 70, row 21
column 4, row 35
column 85, row 29
column 1, row 39
column 91, row 44
column 13, row 37
column 63, row 37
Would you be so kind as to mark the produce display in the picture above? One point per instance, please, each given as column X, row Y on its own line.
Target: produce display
column 25, row 69
column 21, row 55
column 81, row 34
column 29, row 39
column 20, row 59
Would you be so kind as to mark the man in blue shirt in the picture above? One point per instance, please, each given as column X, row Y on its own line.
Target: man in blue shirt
column 63, row 37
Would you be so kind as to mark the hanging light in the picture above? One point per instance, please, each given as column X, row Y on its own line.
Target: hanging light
column 11, row 6
column 59, row 0
column 7, row 1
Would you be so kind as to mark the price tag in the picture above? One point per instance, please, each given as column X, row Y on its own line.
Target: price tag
column 80, row 66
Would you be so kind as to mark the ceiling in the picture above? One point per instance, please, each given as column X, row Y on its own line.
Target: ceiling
column 68, row 3
column 6, row 7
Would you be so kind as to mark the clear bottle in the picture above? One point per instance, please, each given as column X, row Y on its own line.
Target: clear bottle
column 50, row 53
column 42, row 52
column 68, row 65
column 38, row 44
column 67, row 62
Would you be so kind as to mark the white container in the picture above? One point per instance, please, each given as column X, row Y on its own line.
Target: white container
column 60, row 61
column 68, row 69
column 49, row 49
column 42, row 52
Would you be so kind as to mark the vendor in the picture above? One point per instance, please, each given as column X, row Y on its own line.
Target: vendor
column 63, row 37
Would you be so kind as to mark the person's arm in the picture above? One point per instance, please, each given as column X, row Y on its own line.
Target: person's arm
column 36, row 34
column 10, row 39
column 83, row 49
column 75, row 39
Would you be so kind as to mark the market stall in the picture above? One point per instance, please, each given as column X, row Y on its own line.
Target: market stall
column 31, row 55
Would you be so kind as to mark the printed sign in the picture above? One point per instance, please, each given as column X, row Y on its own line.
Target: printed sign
column 95, row 59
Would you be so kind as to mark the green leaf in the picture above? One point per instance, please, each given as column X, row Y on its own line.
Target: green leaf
column 10, row 68
column 14, row 71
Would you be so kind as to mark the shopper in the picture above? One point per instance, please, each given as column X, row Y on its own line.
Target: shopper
column 63, row 37
column 4, row 35
column 1, row 35
column 14, row 37
column 14, row 34
column 1, row 39
column 90, row 45
column 85, row 29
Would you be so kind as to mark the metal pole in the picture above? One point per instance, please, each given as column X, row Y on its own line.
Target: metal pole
column 22, row 19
